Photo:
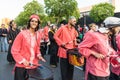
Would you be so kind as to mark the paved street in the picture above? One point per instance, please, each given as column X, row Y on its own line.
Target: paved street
column 6, row 69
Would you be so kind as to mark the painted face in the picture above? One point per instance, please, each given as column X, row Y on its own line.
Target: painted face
column 33, row 23
column 103, row 30
column 73, row 22
column 94, row 27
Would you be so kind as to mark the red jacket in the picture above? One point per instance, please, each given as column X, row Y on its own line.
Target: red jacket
column 21, row 49
column 64, row 35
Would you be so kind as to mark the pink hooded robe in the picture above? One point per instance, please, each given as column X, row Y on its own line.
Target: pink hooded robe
column 116, row 70
column 96, row 42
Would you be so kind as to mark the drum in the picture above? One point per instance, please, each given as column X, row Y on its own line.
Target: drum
column 41, row 73
column 75, row 58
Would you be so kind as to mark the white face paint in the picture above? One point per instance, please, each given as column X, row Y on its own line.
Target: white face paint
column 103, row 30
column 96, row 28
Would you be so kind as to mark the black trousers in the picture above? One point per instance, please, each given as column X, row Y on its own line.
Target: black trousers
column 92, row 77
column 53, row 59
column 114, row 76
column 66, row 69
column 20, row 74
column 43, row 48
column 9, row 55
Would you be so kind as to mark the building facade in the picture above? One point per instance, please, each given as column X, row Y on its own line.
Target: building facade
column 5, row 21
column 84, row 11
column 115, row 3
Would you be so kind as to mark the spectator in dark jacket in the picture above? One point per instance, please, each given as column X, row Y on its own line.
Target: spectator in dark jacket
column 53, row 47
column 13, row 31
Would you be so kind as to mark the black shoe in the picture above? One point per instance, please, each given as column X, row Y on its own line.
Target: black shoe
column 12, row 62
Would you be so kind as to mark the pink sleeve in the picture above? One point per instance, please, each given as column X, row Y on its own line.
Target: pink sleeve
column 57, row 36
column 38, row 42
column 45, row 31
column 38, row 50
column 16, row 47
column 86, row 44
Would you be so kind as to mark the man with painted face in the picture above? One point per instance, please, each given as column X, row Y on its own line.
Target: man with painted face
column 96, row 49
column 65, row 37
column 113, row 23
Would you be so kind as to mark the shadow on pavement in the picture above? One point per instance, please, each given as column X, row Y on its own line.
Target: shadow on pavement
column 6, row 69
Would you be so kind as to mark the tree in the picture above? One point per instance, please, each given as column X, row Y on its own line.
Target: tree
column 61, row 8
column 101, row 11
column 30, row 8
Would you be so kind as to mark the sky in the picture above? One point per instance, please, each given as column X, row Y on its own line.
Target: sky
column 11, row 8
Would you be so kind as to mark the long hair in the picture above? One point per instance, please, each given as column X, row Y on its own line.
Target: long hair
column 28, row 25
column 10, row 24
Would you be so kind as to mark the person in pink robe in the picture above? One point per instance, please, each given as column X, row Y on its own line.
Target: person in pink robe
column 115, row 39
column 46, row 38
column 115, row 71
column 45, row 31
column 96, row 49
column 26, row 48
column 65, row 37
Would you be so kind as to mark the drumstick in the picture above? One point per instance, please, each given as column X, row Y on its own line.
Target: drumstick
column 113, row 55
column 34, row 64
column 66, row 44
column 39, row 65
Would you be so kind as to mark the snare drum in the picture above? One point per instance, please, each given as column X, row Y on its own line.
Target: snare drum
column 41, row 73
column 75, row 58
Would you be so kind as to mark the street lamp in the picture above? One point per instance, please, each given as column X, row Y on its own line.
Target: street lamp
column 84, row 16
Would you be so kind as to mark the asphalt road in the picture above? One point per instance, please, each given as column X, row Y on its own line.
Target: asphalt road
column 6, row 69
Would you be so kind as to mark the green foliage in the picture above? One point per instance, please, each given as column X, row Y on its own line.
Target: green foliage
column 101, row 11
column 30, row 8
column 56, row 9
